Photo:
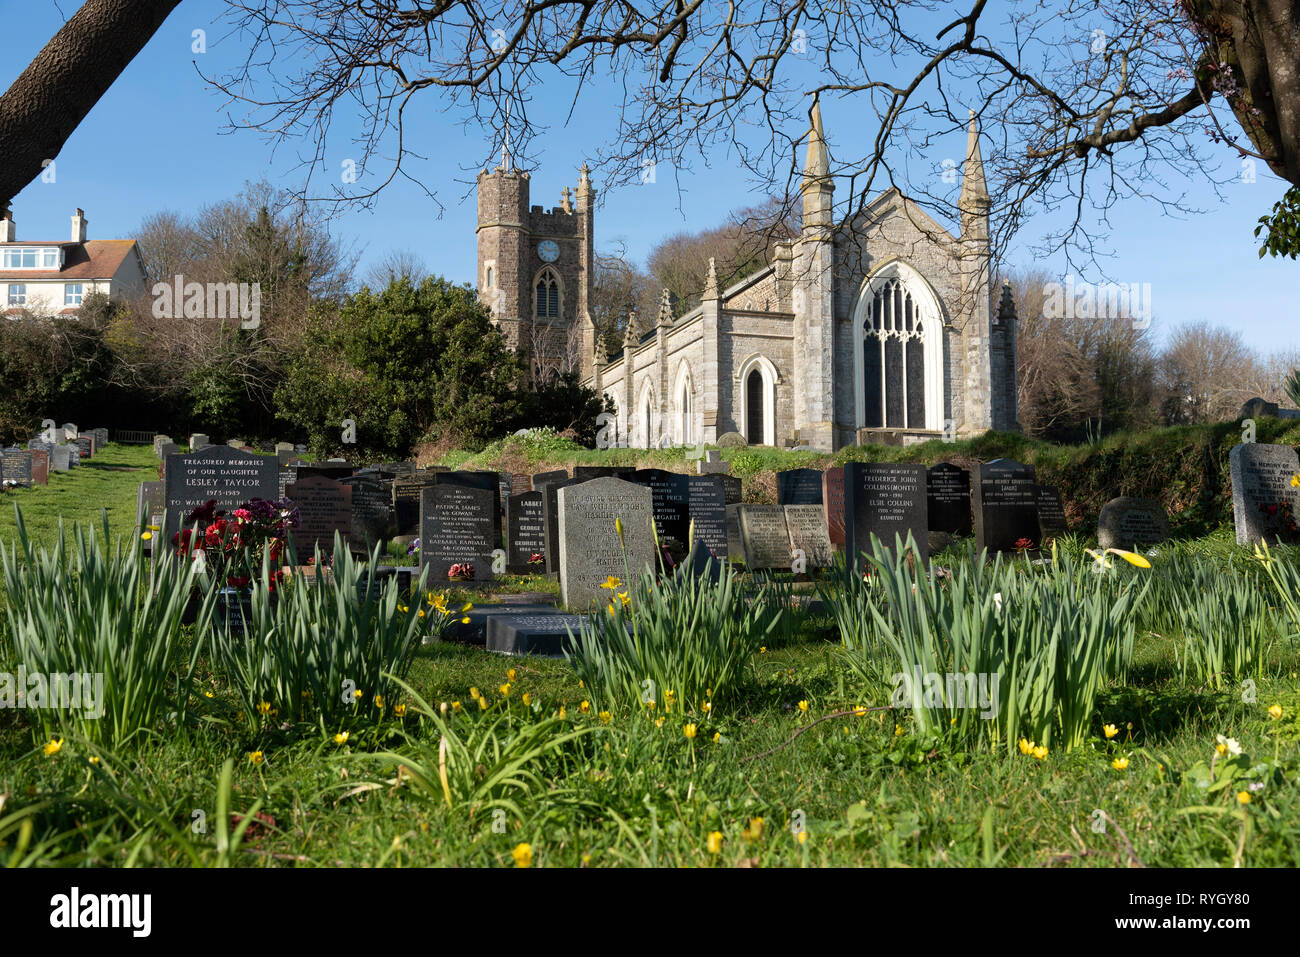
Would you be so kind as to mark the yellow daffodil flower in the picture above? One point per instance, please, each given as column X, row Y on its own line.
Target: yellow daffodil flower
column 523, row 855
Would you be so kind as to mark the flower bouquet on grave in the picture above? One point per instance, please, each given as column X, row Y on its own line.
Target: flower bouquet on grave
column 1024, row 544
column 536, row 559
column 461, row 572
column 1280, row 521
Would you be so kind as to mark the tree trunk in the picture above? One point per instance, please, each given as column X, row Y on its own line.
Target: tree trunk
column 67, row 78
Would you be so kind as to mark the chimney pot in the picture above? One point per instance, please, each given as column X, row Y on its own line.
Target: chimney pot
column 79, row 222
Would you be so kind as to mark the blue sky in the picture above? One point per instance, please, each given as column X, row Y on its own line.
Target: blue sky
column 157, row 141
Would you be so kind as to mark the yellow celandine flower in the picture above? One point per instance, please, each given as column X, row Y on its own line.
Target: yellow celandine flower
column 52, row 747
column 898, row 730
column 708, row 707
column 420, row 613
column 465, row 620
column 714, row 842
column 523, row 855
column 379, row 701
column 584, row 707
column 1026, row 746
column 455, row 707
column 612, row 583
column 510, row 675
column 1295, row 480
column 1040, row 752
column 1243, row 797
column 803, row 706
column 754, row 831
column 473, row 692
column 146, row 536
column 803, row 837
column 1275, row 712
column 341, row 737
column 358, row 695
column 717, row 737
column 93, row 759
column 207, row 694
column 762, row 649
column 482, row 704
column 1109, row 730
column 399, row 710
column 527, row 698
column 563, row 712
column 606, row 717
column 1120, row 764
column 688, row 730
column 859, row 711
column 264, row 707
column 255, row 757
column 505, row 690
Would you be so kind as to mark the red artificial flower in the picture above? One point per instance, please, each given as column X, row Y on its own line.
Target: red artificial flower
column 238, row 581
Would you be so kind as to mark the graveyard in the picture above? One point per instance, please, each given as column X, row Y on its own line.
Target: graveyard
column 989, row 652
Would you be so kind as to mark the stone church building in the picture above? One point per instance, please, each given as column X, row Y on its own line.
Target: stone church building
column 881, row 327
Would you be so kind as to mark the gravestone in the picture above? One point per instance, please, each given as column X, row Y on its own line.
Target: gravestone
column 1051, row 514
column 1005, row 502
column 199, row 441
column 1128, row 522
column 585, row 473
column 70, row 431
column 735, row 546
column 283, row 447
column 101, row 438
column 372, row 511
column 546, row 634
column 525, row 533
column 218, row 472
column 833, row 504
column 1265, row 505
column 330, row 470
column 543, row 478
column 485, row 480
column 799, row 487
column 39, row 443
column 706, row 504
column 948, row 500
column 85, row 445
column 16, row 467
column 764, row 537
column 806, row 525
column 159, row 440
column 670, row 493
column 712, row 464
column 60, row 458
column 237, row 443
column 551, row 517
column 520, row 483
column 458, row 524
column 40, row 466
column 589, row 546
column 325, row 508
column 884, row 499
column 1256, row 408
column 474, row 631
column 731, row 440
column 406, row 501
column 731, row 488
column 74, row 455
column 701, row 563
column 149, row 506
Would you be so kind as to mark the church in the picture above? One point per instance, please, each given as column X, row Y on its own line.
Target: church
column 881, row 327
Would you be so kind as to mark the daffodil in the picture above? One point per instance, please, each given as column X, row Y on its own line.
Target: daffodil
column 455, row 707
column 612, row 583
column 802, row 837
column 1026, row 746
column 523, row 855
column 1120, row 764
column 505, row 690
column 688, row 730
column 510, row 675
column 898, row 730
column 1040, row 752
column 717, row 737
column 527, row 699
column 146, row 536
column 714, row 842
column 264, row 707
column 255, row 757
column 1109, row 730
column 625, row 598
column 473, row 692
column 606, row 717
column 584, row 707
column 482, row 703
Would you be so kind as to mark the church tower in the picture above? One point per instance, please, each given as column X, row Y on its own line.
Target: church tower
column 976, row 335
column 535, row 269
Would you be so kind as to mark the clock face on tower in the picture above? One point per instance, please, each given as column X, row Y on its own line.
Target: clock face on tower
column 548, row 250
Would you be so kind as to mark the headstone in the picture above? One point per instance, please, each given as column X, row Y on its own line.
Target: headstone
column 526, row 533
column 199, row 441
column 764, row 537
column 731, row 440
column 706, row 504
column 220, row 473
column 458, row 526
column 372, row 511
column 474, row 631
column 585, row 473
column 712, row 463
column 74, row 455
column 669, row 493
column 735, row 546
column 1051, row 514
column 158, row 440
column 325, row 508
column 1128, row 522
column 543, row 478
column 406, row 501
column 590, row 550
column 1257, row 407
column 546, row 634
column 520, row 483
column 283, row 447
column 731, row 488
column 833, row 504
column 551, row 516
column 486, row 480
column 948, row 499
column 1005, row 503
column 40, row 466
column 39, row 443
column 237, row 443
column 1265, row 505
column 60, row 458
column 328, row 469
column 101, row 438
column 70, row 431
column 799, row 487
column 150, row 503
column 885, row 499
column 85, row 445
column 16, row 467
column 701, row 563
column 808, row 534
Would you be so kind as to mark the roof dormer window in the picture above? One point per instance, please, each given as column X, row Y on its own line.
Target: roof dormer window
column 33, row 257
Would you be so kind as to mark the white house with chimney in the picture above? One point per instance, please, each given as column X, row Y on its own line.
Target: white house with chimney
column 53, row 277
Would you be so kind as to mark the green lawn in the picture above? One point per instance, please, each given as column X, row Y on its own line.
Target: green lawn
column 867, row 790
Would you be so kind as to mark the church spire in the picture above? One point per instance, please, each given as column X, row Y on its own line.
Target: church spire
column 974, row 200
column 817, row 186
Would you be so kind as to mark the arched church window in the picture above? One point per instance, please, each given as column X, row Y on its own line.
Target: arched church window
column 686, row 407
column 754, row 430
column 894, row 359
column 489, row 277
column 547, row 295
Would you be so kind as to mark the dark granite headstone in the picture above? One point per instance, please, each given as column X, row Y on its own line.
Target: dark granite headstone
column 833, row 504
column 701, row 563
column 329, row 470
column 406, row 500
column 458, row 524
column 546, row 634
column 799, row 487
column 885, row 499
column 101, row 438
column 555, row 475
column 669, row 492
column 1051, row 514
column 731, row 488
column 373, row 520
column 485, row 480
column 85, row 444
column 1005, row 502
column 551, row 517
column 475, row 631
column 325, row 507
column 948, row 497
column 220, row 473
column 586, row 473
column 16, row 467
column 525, row 533
column 706, row 503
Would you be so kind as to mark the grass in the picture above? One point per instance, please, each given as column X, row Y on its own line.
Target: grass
column 230, row 787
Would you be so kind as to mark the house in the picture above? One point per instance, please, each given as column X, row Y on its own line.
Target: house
column 49, row 278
